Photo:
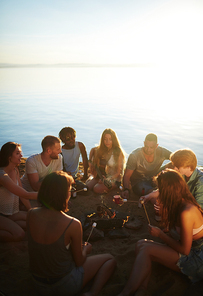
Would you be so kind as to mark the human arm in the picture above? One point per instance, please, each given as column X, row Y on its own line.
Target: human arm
column 152, row 196
column 79, row 250
column 25, row 201
column 91, row 158
column 198, row 191
column 126, row 183
column 182, row 246
column 84, row 159
column 8, row 183
column 34, row 181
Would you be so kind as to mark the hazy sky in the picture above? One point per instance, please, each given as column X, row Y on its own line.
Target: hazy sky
column 101, row 31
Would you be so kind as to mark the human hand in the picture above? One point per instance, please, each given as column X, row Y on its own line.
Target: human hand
column 125, row 194
column 87, row 247
column 145, row 198
column 154, row 231
column 84, row 178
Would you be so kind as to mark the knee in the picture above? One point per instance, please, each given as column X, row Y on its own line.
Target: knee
column 19, row 236
column 113, row 262
column 141, row 245
column 111, row 259
column 98, row 189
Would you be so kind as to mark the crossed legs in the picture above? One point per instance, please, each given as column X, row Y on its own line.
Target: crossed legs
column 12, row 227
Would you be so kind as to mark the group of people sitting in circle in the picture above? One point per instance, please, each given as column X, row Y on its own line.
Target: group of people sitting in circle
column 59, row 260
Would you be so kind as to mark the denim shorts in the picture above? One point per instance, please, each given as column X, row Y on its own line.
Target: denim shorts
column 192, row 264
column 138, row 185
column 69, row 285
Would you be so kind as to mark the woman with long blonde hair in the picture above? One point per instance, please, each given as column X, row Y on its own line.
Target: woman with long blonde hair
column 106, row 160
column 179, row 210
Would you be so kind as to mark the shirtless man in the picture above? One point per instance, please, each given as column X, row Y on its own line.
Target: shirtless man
column 144, row 163
column 39, row 165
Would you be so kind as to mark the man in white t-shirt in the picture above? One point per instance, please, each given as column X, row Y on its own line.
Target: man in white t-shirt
column 39, row 165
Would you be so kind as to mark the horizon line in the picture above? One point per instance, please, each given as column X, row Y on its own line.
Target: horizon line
column 42, row 65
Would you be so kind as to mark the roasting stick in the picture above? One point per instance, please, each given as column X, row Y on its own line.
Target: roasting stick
column 93, row 226
column 126, row 200
column 84, row 189
column 142, row 202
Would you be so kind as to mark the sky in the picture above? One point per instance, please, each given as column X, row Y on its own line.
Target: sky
column 101, row 31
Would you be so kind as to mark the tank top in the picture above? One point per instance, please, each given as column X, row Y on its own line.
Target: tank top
column 71, row 159
column 50, row 260
column 9, row 202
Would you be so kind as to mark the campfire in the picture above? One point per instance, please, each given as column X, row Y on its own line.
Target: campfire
column 108, row 222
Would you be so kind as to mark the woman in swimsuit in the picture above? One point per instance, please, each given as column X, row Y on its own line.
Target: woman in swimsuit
column 181, row 211
column 109, row 158
column 12, row 221
column 58, row 257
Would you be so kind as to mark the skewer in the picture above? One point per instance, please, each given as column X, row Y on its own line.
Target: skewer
column 93, row 226
column 142, row 202
column 84, row 189
column 126, row 200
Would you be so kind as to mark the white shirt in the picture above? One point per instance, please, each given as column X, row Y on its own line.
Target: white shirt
column 34, row 164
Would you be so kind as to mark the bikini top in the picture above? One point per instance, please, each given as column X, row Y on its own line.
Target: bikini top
column 195, row 231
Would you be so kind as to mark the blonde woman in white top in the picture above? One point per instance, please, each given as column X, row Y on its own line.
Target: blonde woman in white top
column 12, row 221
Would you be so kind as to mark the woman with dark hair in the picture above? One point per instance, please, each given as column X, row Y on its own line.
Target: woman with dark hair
column 12, row 221
column 179, row 210
column 58, row 257
column 109, row 159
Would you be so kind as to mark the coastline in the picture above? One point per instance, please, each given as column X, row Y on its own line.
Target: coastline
column 15, row 278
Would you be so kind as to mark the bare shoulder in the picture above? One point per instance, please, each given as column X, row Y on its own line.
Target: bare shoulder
column 189, row 211
column 75, row 221
column 81, row 145
column 82, row 148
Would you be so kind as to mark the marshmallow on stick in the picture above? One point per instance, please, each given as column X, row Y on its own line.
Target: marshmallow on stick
column 93, row 226
column 84, row 189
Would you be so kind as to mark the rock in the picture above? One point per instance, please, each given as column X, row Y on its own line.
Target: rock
column 133, row 223
column 97, row 234
column 118, row 233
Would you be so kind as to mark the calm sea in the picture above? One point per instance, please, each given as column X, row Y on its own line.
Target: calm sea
column 134, row 101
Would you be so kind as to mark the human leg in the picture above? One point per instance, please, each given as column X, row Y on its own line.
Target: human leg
column 146, row 252
column 142, row 187
column 100, row 188
column 101, row 268
column 91, row 183
column 80, row 186
column 19, row 218
column 10, row 231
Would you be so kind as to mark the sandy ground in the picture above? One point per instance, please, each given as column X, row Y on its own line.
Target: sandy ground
column 15, row 278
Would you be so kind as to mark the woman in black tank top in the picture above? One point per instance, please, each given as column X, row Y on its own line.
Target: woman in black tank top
column 58, row 257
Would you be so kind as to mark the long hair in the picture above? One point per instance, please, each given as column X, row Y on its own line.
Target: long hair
column 102, row 149
column 173, row 190
column 6, row 152
column 53, row 192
